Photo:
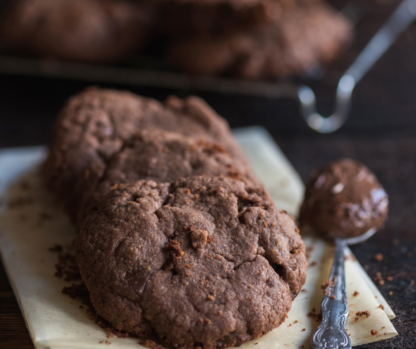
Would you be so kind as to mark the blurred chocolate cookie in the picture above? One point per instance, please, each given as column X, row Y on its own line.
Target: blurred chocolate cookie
column 189, row 18
column 306, row 36
column 77, row 30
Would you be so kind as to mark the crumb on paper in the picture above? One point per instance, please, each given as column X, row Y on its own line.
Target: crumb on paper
column 374, row 332
column 150, row 344
column 381, row 307
column 313, row 314
column 356, row 293
column 350, row 257
column 378, row 257
column 303, row 329
column 67, row 267
column 327, row 287
column 365, row 313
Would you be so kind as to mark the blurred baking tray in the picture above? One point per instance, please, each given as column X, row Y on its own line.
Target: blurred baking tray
column 153, row 72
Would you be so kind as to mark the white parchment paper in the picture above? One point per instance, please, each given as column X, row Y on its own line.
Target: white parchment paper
column 33, row 223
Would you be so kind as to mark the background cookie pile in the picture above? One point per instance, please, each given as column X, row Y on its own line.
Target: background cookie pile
column 254, row 39
column 177, row 239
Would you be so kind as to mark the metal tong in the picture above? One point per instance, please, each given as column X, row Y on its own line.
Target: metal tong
column 401, row 18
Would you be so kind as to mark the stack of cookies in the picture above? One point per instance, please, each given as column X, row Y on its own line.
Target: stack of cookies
column 178, row 242
column 253, row 39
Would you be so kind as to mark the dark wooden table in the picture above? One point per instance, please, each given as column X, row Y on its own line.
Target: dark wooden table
column 381, row 133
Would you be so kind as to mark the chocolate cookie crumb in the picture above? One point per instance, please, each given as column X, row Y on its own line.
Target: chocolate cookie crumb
column 150, row 344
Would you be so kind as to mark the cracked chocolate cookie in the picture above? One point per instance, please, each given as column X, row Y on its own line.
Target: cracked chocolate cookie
column 160, row 156
column 200, row 262
column 96, row 123
column 307, row 36
column 77, row 30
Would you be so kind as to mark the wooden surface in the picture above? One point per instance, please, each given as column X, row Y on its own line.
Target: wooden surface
column 381, row 133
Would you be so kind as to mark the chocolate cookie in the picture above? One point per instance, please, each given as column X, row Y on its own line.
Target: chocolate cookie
column 94, row 125
column 200, row 262
column 344, row 199
column 77, row 30
column 306, row 36
column 160, row 156
column 184, row 18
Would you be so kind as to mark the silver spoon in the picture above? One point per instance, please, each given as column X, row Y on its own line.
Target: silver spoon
column 331, row 332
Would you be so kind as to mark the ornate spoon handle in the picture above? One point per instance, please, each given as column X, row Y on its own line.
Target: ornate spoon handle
column 331, row 332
